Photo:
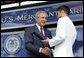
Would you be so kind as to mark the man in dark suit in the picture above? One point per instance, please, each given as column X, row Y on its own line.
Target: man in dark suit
column 33, row 44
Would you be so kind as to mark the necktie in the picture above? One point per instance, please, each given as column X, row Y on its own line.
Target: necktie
column 41, row 31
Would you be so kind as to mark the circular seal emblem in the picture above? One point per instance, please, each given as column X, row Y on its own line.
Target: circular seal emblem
column 12, row 44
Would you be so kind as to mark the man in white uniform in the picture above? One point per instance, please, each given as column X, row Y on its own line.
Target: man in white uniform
column 65, row 34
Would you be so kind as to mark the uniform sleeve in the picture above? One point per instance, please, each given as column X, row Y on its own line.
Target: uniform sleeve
column 60, row 33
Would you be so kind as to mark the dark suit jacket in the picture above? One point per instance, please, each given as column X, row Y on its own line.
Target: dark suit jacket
column 33, row 43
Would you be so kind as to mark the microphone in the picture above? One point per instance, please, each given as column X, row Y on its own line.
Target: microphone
column 40, row 36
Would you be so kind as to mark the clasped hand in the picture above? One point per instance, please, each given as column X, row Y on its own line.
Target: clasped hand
column 46, row 51
column 45, row 42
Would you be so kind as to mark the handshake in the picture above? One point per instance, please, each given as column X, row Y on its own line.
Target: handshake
column 46, row 51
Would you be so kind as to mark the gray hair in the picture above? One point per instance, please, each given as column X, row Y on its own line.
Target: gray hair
column 37, row 14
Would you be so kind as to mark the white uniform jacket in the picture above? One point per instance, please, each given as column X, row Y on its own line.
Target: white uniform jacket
column 64, row 39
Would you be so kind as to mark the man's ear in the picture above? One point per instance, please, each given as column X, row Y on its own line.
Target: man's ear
column 36, row 18
column 62, row 11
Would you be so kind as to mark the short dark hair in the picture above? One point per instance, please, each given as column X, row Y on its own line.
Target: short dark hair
column 65, row 8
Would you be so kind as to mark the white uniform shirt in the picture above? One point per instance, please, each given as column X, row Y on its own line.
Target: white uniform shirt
column 64, row 39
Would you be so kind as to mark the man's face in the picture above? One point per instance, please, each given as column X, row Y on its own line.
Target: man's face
column 41, row 20
column 59, row 14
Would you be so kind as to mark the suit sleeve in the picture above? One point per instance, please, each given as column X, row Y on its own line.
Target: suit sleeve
column 60, row 34
column 28, row 38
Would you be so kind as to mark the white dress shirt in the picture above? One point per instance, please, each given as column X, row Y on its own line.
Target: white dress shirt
column 64, row 39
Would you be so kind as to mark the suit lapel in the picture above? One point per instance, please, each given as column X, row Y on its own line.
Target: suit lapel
column 45, row 32
column 37, row 31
